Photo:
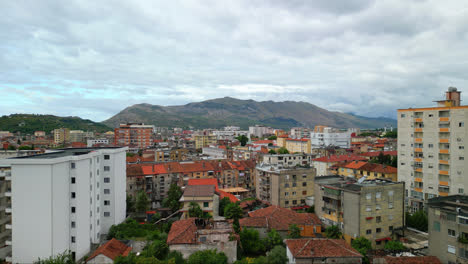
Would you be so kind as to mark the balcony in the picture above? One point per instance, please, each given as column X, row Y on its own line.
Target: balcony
column 418, row 179
column 443, row 172
column 418, row 130
column 443, row 193
column 444, row 183
column 8, row 210
column 418, row 140
column 8, row 194
column 444, row 119
column 418, row 159
column 444, row 140
column 8, row 226
column 418, row 189
column 418, row 150
column 444, row 129
column 418, row 120
column 8, row 242
column 444, row 151
column 418, row 169
column 446, row 162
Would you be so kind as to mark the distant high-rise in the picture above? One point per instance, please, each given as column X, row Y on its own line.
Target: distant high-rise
column 431, row 150
column 134, row 135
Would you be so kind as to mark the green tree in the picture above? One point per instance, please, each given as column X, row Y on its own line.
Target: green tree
column 24, row 148
column 391, row 134
column 277, row 255
column 394, row 245
column 273, row 239
column 242, row 139
column 272, row 137
column 176, row 256
column 333, row 232
column 130, row 154
column 195, row 210
column 158, row 249
column 222, row 204
column 250, row 241
column 311, row 210
column 130, row 203
column 173, row 196
column 142, row 202
column 283, row 150
column 417, row 220
column 129, row 259
column 233, row 211
column 64, row 258
column 207, row 257
column 272, row 151
column 362, row 245
column 294, row 231
column 11, row 147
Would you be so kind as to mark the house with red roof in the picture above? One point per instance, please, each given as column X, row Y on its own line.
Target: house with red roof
column 321, row 250
column 191, row 235
column 278, row 218
column 108, row 252
column 359, row 169
column 323, row 164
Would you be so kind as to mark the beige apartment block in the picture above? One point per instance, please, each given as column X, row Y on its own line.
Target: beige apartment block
column 431, row 150
column 205, row 140
column 285, row 187
column 61, row 136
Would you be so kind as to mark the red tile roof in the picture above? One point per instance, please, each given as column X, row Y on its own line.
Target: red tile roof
column 298, row 139
column 183, row 232
column 377, row 153
column 379, row 168
column 339, row 158
column 321, row 248
column 411, row 260
column 231, row 197
column 147, row 170
column 355, row 164
column 134, row 170
column 263, row 142
column 278, row 218
column 204, row 182
column 111, row 249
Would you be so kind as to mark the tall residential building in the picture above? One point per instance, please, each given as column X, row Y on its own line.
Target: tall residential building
column 287, row 160
column 136, row 135
column 294, row 145
column 284, row 187
column 205, row 140
column 448, row 228
column 80, row 135
column 61, row 136
column 65, row 200
column 323, row 136
column 373, row 209
column 5, row 212
column 260, row 131
column 431, row 150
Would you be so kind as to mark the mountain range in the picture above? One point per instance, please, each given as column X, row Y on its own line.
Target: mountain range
column 220, row 112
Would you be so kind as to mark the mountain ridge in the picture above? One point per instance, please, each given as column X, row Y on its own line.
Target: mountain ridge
column 219, row 112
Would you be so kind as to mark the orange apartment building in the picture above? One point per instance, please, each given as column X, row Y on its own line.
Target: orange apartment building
column 136, row 135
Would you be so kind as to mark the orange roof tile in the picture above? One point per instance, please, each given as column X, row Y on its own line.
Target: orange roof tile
column 183, row 232
column 112, row 249
column 204, row 182
column 411, row 260
column 355, row 164
column 321, row 248
column 377, row 153
column 147, row 170
column 339, row 158
column 231, row 197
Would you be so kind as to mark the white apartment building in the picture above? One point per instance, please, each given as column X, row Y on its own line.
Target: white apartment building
column 5, row 211
column 65, row 200
column 431, row 150
column 230, row 134
column 287, row 160
column 259, row 131
column 328, row 136
column 214, row 152
column 92, row 142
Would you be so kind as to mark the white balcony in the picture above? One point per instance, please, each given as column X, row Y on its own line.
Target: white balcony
column 8, row 242
column 8, row 210
column 8, row 259
column 8, row 194
column 8, row 226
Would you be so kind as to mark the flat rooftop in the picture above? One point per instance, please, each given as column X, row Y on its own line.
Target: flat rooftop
column 64, row 153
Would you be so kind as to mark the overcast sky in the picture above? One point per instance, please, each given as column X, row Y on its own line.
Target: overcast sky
column 94, row 58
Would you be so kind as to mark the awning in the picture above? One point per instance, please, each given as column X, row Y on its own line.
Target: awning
column 383, row 239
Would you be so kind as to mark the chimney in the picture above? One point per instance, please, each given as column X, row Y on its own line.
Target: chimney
column 453, row 95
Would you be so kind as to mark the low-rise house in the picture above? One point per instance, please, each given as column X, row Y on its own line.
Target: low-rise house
column 204, row 195
column 107, row 253
column 406, row 260
column 321, row 250
column 274, row 217
column 359, row 169
column 191, row 235
column 323, row 164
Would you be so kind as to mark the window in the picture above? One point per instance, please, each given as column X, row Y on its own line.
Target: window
column 97, row 159
column 378, row 242
column 390, row 205
column 430, row 145
column 106, row 157
column 286, row 185
column 378, row 219
column 286, row 193
column 368, row 209
column 73, row 224
column 461, row 147
column 73, row 209
column 72, row 165
column 304, row 184
column 451, row 249
column 390, row 217
column 368, row 196
column 390, row 193
column 390, row 228
column 106, row 168
column 436, row 226
column 73, row 195
column 452, row 217
column 106, row 214
column 461, row 124
column 403, row 115
column 106, row 179
column 73, row 239
column 461, row 190
column 378, row 230
column 294, row 202
column 378, row 195
column 206, row 204
column 286, row 202
column 97, row 184
column 369, row 231
column 463, row 221
column 293, row 193
column 377, row 207
column 294, row 184
column 106, row 191
column 73, row 180
column 461, row 158
column 106, row 202
column 451, row 232
column 431, row 115
column 97, row 172
column 304, row 192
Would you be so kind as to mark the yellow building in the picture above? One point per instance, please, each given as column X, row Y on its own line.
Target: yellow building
column 205, row 140
column 298, row 145
column 61, row 135
column 203, row 195
column 359, row 169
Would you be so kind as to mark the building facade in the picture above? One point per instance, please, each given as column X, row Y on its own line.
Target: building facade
column 284, row 187
column 287, row 160
column 61, row 136
column 327, row 136
column 431, row 150
column 136, row 135
column 205, row 140
column 77, row 195
column 5, row 212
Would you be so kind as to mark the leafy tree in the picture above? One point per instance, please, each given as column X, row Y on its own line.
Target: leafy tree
column 142, row 202
column 394, row 245
column 195, row 210
column 417, row 220
column 273, row 239
column 173, row 196
column 243, row 139
column 260, row 260
column 311, row 210
column 250, row 241
column 233, row 211
column 129, row 259
column 158, row 249
column 272, row 137
column 130, row 229
column 236, row 226
column 283, row 150
column 130, row 154
column 155, row 217
column 362, row 245
column 294, row 231
column 176, row 256
column 391, row 134
column 207, row 257
column 11, row 147
column 222, row 204
column 130, row 203
column 25, row 148
column 333, row 232
column 64, row 258
column 272, row 151
column 277, row 255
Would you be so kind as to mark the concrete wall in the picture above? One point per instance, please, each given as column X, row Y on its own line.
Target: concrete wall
column 229, row 248
column 101, row 259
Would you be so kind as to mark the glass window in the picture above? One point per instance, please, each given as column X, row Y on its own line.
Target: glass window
column 73, row 180
column 390, row 205
column 106, row 168
column 369, row 231
column 72, row 165
column 436, row 226
column 73, row 209
column 106, row 157
column 451, row 249
column 73, row 239
column 106, row 191
column 206, row 204
column 451, row 232
column 378, row 230
column 378, row 195
column 73, row 195
column 368, row 209
column 106, row 179
column 106, row 202
column 73, row 224
column 390, row 193
column 451, row 217
column 368, row 196
column 106, row 214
